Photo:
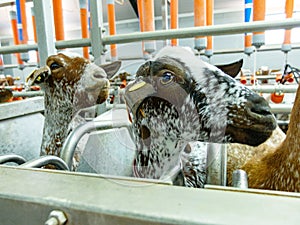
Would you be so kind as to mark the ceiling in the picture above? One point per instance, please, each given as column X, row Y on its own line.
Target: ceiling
column 125, row 11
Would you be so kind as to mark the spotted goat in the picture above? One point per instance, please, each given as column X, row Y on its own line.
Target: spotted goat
column 177, row 98
column 70, row 83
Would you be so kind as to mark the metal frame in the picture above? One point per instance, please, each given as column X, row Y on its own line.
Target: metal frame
column 95, row 199
column 69, row 146
column 98, row 41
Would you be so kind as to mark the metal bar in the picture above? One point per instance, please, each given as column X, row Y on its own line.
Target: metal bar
column 31, row 194
column 11, row 66
column 96, row 30
column 216, row 164
column 74, row 137
column 27, row 93
column 46, row 160
column 234, row 28
column 44, row 27
column 273, row 88
column 264, row 48
column 12, row 158
column 18, row 48
column 281, row 108
column 75, row 43
column 21, row 108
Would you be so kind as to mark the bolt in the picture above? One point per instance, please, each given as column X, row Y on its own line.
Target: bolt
column 56, row 217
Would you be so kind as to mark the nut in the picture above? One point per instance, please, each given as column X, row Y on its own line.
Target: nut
column 59, row 216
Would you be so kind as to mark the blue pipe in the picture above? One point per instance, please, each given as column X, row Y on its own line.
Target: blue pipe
column 248, row 10
column 19, row 20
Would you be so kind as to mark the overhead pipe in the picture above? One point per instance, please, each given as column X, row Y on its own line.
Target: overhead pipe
column 259, row 10
column 190, row 32
column 84, row 25
column 248, row 48
column 200, row 21
column 58, row 20
column 112, row 26
column 22, row 26
column 209, row 22
column 14, row 26
column 286, row 46
column 149, row 25
column 174, row 19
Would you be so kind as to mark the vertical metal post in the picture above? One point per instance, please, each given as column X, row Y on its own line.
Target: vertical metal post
column 216, row 164
column 44, row 27
column 164, row 17
column 7, row 58
column 96, row 30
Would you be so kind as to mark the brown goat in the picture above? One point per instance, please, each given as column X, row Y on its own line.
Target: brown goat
column 280, row 168
column 69, row 84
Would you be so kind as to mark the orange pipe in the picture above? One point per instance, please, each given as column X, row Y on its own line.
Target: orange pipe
column 84, row 30
column 141, row 14
column 199, row 13
column 174, row 19
column 24, row 21
column 34, row 28
column 58, row 19
column 14, row 26
column 289, row 6
column 248, row 41
column 148, row 12
column 209, row 21
column 259, row 10
column 148, row 24
column 209, row 43
column 209, row 12
column 141, row 18
column 112, row 27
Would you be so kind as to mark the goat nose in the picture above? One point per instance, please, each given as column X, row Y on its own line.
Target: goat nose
column 259, row 105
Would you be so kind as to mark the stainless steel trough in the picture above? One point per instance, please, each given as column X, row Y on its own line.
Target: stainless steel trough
column 21, row 127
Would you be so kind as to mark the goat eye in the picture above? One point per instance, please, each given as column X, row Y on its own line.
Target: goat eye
column 54, row 66
column 166, row 77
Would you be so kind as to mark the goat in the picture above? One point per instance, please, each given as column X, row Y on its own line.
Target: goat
column 239, row 154
column 177, row 98
column 69, row 84
column 279, row 168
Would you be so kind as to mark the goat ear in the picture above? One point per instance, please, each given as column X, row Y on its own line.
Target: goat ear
column 232, row 69
column 111, row 68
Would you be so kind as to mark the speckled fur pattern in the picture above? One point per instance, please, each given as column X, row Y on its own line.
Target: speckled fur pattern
column 69, row 84
column 213, row 102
